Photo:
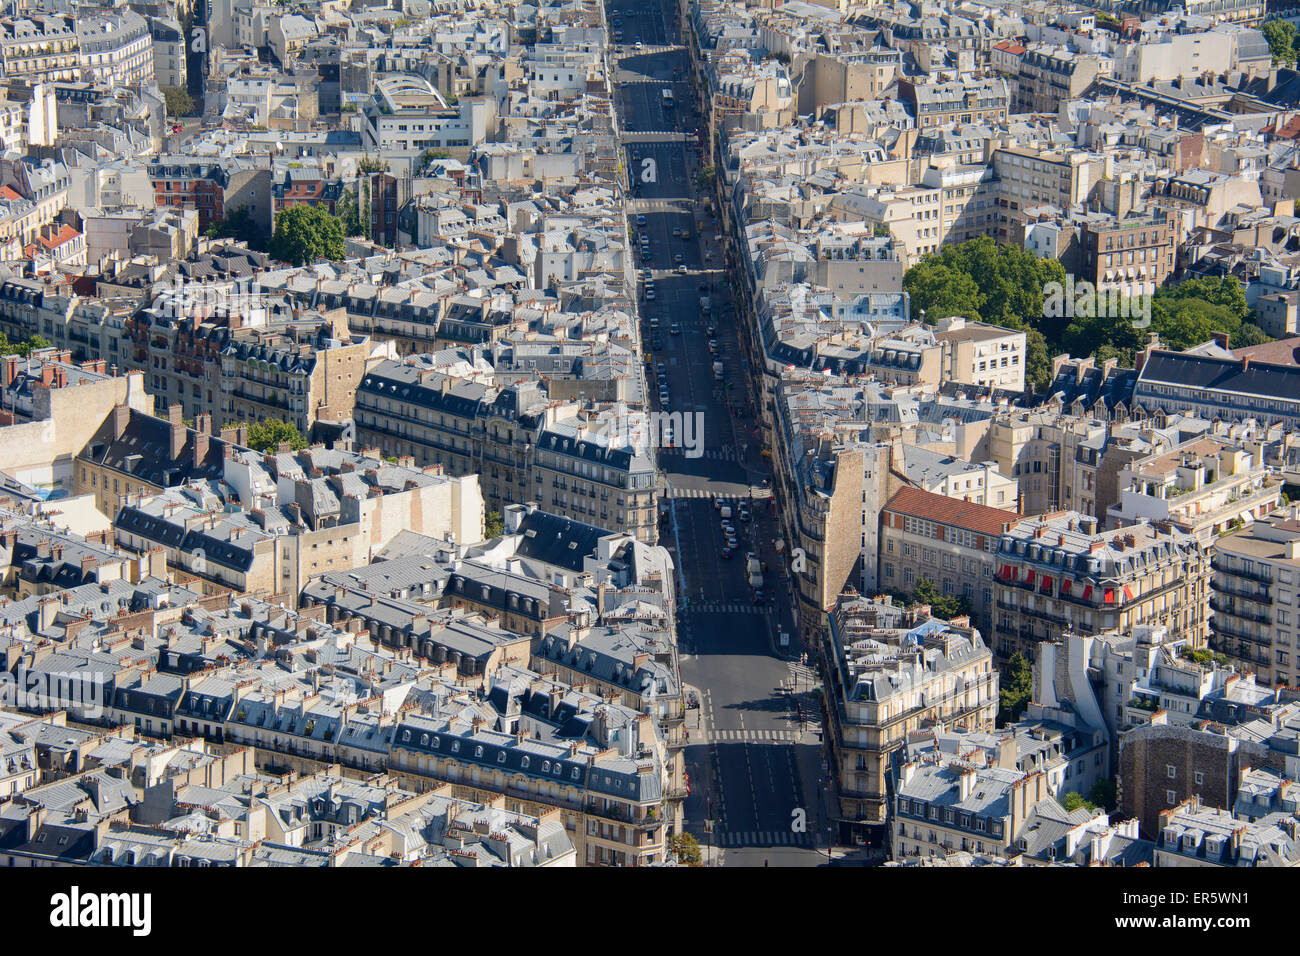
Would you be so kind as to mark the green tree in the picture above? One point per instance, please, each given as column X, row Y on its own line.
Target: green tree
column 1184, row 322
column 1104, row 794
column 24, row 347
column 494, row 525
column 178, row 100
column 429, row 155
column 1249, row 334
column 1073, row 801
column 707, row 177
column 1281, row 37
column 241, row 225
column 267, row 435
column 1225, row 291
column 938, row 290
column 348, row 213
column 941, row 605
column 1038, row 361
column 304, row 234
column 1016, row 690
column 1003, row 285
column 686, row 848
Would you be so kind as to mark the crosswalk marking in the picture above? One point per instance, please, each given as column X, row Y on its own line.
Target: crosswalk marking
column 762, row 838
column 710, row 454
column 755, row 736
column 720, row 607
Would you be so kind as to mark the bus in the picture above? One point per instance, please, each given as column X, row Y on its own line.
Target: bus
column 668, row 98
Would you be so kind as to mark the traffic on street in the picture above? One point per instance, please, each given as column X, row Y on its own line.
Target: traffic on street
column 753, row 754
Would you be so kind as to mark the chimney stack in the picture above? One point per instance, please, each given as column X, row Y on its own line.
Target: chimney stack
column 174, row 417
column 121, row 417
column 8, row 370
column 200, row 447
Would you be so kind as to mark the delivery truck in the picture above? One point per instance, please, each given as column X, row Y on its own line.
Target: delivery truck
column 755, row 572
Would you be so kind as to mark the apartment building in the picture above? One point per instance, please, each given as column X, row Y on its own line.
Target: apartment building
column 300, row 373
column 976, row 353
column 1060, row 574
column 610, row 783
column 407, row 114
column 315, row 525
column 968, row 198
column 971, row 100
column 115, row 49
column 1053, row 457
column 1029, row 177
column 209, row 186
column 1256, row 620
column 1214, row 386
column 592, row 468
column 132, row 453
column 39, row 49
column 1132, row 254
column 1204, row 486
column 944, row 807
column 1050, row 75
column 947, row 541
column 891, row 671
column 169, row 51
column 1193, row 835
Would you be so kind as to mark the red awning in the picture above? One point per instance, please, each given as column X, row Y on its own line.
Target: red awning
column 1110, row 596
column 1128, row 593
column 1087, row 591
column 1029, row 578
column 1066, row 585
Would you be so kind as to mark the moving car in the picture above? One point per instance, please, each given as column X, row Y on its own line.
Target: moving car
column 675, row 329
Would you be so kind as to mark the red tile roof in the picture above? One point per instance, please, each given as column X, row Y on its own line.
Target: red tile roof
column 951, row 511
column 1281, row 352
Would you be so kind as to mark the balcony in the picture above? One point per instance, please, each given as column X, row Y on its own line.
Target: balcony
column 1259, row 576
column 1226, row 607
column 1222, row 630
column 1222, row 584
